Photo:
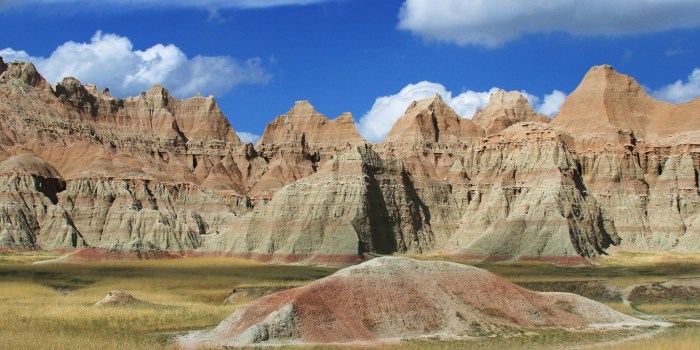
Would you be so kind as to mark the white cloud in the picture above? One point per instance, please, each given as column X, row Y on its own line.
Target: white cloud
column 10, row 55
column 202, row 4
column 109, row 60
column 248, row 137
column 551, row 103
column 492, row 23
column 680, row 91
column 376, row 124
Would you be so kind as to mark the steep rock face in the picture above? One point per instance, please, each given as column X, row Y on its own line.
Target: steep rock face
column 296, row 143
column 30, row 217
column 133, row 168
column 302, row 128
column 194, row 125
column 639, row 158
column 113, row 213
column 505, row 109
column 427, row 141
column 428, row 138
column 356, row 203
column 386, row 298
column 525, row 199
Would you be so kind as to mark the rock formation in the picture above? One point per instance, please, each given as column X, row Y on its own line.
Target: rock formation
column 526, row 199
column 386, row 299
column 639, row 159
column 29, row 216
column 505, row 109
column 296, row 143
column 120, row 298
column 431, row 120
column 154, row 175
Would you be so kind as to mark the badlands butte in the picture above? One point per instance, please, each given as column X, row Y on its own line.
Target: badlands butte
column 155, row 176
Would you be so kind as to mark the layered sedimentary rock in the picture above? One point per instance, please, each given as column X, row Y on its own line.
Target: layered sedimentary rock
column 297, row 142
column 615, row 169
column 356, row 203
column 387, row 299
column 526, row 199
column 30, row 216
column 639, row 158
column 121, row 170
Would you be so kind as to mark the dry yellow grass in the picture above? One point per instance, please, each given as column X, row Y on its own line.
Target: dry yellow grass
column 188, row 294
column 682, row 337
column 650, row 267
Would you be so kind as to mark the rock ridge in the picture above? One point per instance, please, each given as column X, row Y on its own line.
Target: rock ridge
column 615, row 170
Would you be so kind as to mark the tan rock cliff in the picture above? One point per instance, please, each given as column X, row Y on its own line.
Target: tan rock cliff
column 615, row 169
column 505, row 109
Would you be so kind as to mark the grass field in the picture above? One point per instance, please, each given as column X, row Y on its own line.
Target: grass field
column 51, row 306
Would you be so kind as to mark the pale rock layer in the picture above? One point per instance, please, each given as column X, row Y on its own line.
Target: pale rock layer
column 80, row 168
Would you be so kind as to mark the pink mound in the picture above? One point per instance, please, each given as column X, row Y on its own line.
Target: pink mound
column 399, row 298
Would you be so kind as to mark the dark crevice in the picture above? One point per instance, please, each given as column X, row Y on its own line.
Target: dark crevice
column 180, row 133
column 50, row 187
column 435, row 127
column 382, row 238
column 420, row 213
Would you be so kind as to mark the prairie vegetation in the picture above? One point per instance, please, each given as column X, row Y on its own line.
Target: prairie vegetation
column 50, row 306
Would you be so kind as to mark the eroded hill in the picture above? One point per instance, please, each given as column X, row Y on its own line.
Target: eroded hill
column 81, row 168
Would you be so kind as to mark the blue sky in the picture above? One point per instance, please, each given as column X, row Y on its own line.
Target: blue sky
column 367, row 57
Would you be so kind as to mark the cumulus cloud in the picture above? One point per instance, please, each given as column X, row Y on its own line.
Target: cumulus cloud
column 495, row 22
column 680, row 91
column 203, row 4
column 376, row 124
column 109, row 60
column 248, row 137
column 551, row 103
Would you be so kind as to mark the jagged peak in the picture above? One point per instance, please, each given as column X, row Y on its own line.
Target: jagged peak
column 504, row 109
column 157, row 90
column 302, row 108
column 432, row 103
column 303, row 125
column 346, row 117
column 70, row 81
column 605, row 78
column 508, row 99
column 157, row 95
column 27, row 73
column 604, row 67
column 502, row 102
column 431, row 120
column 67, row 86
column 606, row 98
